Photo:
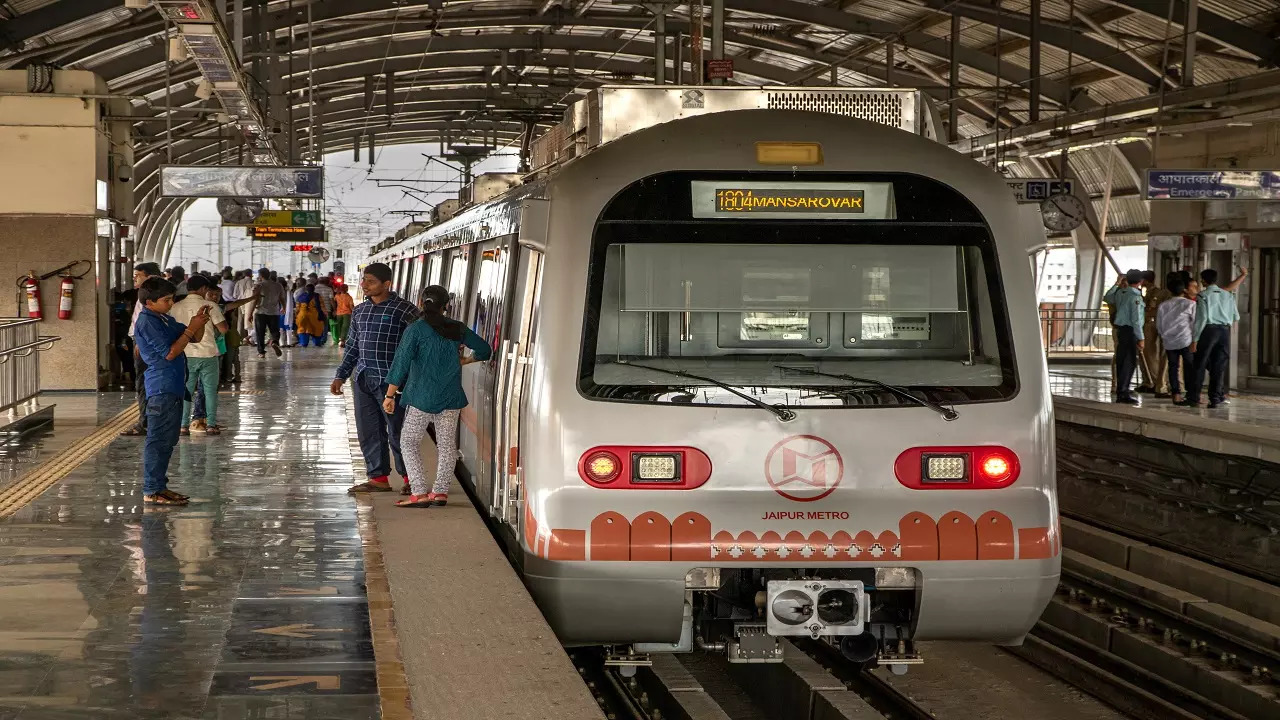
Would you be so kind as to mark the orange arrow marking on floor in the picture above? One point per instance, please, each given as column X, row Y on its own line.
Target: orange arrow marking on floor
column 322, row 682
column 297, row 630
column 324, row 590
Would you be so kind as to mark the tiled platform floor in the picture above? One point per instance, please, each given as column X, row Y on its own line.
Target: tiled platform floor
column 1093, row 382
column 247, row 603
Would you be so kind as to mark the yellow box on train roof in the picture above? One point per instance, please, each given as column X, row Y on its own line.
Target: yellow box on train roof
column 788, row 153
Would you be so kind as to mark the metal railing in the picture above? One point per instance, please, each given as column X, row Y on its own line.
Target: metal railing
column 20, row 345
column 1076, row 332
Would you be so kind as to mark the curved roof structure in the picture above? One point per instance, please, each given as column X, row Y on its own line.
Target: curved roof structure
column 478, row 71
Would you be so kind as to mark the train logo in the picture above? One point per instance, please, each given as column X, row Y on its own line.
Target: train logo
column 804, row 468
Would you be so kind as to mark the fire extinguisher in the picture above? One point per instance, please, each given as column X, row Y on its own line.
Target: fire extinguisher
column 67, row 295
column 31, row 284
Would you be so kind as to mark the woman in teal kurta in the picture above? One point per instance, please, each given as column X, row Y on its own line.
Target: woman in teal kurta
column 427, row 374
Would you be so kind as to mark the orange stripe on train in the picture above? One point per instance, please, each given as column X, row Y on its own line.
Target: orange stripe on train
column 690, row 538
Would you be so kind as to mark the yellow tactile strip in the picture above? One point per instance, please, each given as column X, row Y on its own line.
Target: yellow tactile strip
column 393, row 683
column 31, row 485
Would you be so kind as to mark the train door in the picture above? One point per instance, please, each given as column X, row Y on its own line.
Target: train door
column 1268, row 334
column 514, row 356
column 486, row 316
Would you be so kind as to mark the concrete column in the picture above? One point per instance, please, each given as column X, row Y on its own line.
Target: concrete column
column 717, row 34
column 64, row 176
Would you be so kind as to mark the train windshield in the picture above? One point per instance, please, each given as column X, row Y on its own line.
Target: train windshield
column 910, row 297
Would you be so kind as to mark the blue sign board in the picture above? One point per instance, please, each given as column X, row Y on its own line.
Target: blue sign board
column 1213, row 185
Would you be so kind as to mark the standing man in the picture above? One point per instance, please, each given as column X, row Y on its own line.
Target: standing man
column 1126, row 298
column 141, row 273
column 244, row 289
column 203, row 357
column 1157, row 380
column 1216, row 312
column 266, row 316
column 161, row 340
column 377, row 325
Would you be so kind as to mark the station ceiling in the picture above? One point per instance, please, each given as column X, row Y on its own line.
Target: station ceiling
column 477, row 70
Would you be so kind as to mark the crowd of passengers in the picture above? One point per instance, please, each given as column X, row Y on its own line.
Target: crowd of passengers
column 1172, row 335
column 403, row 360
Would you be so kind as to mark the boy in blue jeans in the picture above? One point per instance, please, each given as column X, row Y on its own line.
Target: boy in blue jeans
column 160, row 340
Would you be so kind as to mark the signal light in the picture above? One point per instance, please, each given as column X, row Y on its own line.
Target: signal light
column 986, row 467
column 644, row 468
column 996, row 468
column 604, row 467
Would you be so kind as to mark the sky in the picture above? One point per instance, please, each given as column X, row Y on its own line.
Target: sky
column 358, row 213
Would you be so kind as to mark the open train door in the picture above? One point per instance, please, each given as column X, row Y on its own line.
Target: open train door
column 515, row 354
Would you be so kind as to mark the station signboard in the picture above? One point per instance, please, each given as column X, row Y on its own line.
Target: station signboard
column 288, row 234
column 214, row 181
column 720, row 69
column 1213, row 184
column 284, row 218
column 1037, row 190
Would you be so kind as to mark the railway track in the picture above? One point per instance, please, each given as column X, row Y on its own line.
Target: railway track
column 812, row 683
column 1160, row 652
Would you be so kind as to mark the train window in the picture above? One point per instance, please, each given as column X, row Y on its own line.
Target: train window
column 488, row 291
column 908, row 302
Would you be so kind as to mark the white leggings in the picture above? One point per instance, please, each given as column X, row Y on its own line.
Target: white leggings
column 411, row 436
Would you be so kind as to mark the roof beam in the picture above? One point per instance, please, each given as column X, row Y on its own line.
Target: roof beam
column 16, row 31
column 1212, row 25
column 1059, row 35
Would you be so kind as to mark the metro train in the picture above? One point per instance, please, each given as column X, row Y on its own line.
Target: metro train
column 767, row 364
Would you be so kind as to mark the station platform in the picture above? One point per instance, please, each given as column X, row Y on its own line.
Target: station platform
column 1247, row 426
column 271, row 594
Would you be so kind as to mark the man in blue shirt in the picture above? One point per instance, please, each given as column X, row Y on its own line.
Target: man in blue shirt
column 377, row 324
column 1216, row 312
column 160, row 340
column 1126, row 299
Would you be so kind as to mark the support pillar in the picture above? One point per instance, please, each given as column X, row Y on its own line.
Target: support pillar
column 62, row 200
column 717, row 34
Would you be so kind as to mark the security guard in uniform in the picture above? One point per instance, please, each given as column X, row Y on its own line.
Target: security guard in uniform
column 1216, row 312
column 1157, row 379
column 1126, row 297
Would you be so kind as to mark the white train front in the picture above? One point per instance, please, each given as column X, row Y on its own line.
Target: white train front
column 759, row 372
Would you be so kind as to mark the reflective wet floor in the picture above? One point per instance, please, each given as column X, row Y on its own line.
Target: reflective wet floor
column 247, row 603
column 1093, row 382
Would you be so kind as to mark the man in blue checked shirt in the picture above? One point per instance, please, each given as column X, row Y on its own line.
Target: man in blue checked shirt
column 1126, row 299
column 377, row 324
column 1216, row 312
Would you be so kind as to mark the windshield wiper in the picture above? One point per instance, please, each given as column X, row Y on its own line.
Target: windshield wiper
column 782, row 412
column 947, row 414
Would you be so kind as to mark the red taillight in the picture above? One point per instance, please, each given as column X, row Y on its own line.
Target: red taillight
column 996, row 468
column 985, row 467
column 602, row 466
column 626, row 467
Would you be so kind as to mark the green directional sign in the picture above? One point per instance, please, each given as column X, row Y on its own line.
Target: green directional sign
column 285, row 218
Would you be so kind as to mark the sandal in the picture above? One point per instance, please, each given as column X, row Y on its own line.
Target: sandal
column 166, row 497
column 213, row 430
column 415, row 501
column 184, row 431
column 134, row 431
column 368, row 487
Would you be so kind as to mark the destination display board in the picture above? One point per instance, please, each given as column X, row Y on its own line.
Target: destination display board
column 1036, row 190
column 213, row 181
column 288, row 234
column 793, row 200
column 1213, row 185
column 284, row 218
